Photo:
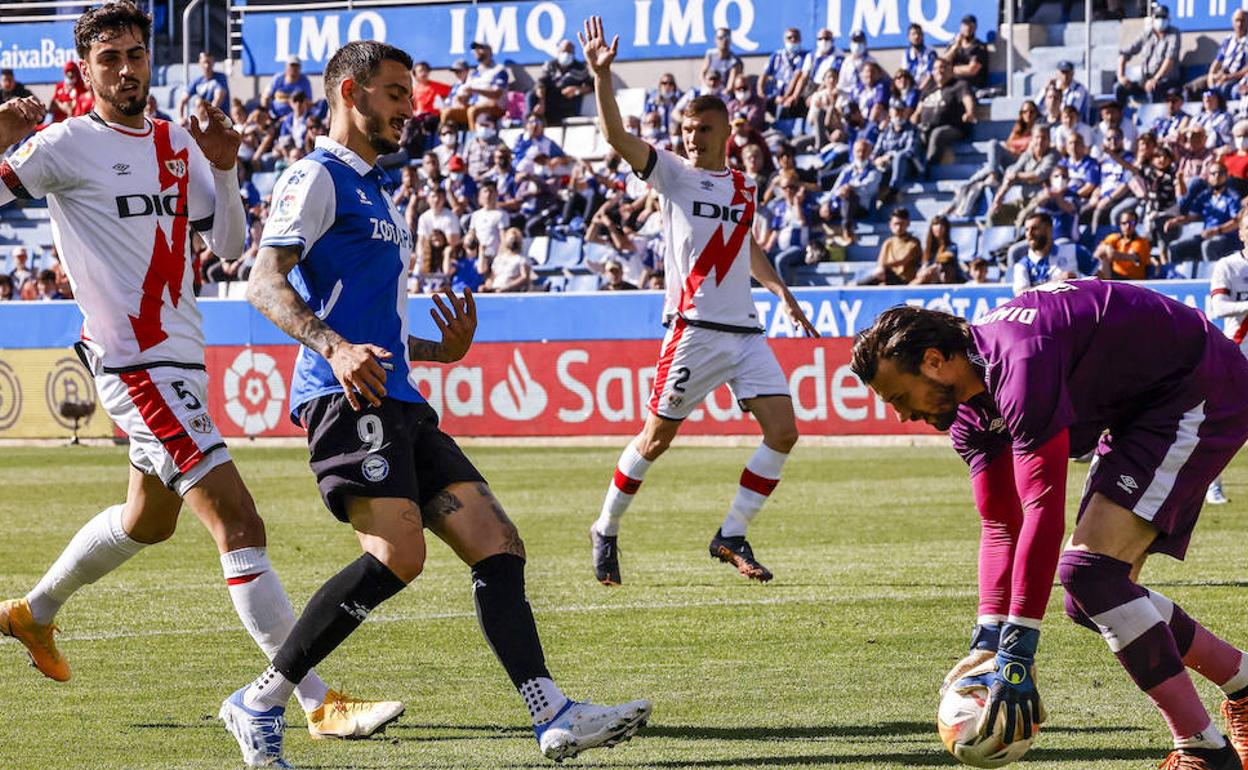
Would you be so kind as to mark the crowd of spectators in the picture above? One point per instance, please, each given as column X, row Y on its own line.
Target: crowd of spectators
column 828, row 136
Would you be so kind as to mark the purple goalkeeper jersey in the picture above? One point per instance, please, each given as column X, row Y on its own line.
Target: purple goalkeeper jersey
column 1084, row 355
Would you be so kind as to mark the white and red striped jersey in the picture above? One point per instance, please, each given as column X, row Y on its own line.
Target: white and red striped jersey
column 1228, row 288
column 707, row 217
column 123, row 203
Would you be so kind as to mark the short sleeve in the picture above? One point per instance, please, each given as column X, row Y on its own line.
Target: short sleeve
column 34, row 171
column 662, row 170
column 303, row 207
column 1030, row 391
column 501, row 78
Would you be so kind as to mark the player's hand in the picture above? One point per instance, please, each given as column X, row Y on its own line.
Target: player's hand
column 218, row 142
column 458, row 323
column 798, row 318
column 1011, row 686
column 359, row 371
column 18, row 117
column 984, row 641
column 598, row 55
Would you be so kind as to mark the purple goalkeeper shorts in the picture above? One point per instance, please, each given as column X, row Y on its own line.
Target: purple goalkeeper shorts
column 1159, row 462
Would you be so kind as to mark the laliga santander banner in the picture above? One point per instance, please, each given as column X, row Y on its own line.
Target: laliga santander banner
column 560, row 389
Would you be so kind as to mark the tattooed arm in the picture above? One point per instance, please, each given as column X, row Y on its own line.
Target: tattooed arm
column 355, row 366
column 458, row 324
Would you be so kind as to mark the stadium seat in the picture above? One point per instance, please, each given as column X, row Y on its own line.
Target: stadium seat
column 538, row 249
column 556, row 282
column 580, row 141
column 588, row 282
column 564, row 252
column 264, row 182
column 598, row 252
column 631, row 101
column 995, row 238
column 967, row 241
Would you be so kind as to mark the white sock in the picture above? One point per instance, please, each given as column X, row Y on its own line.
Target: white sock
column 628, row 475
column 1240, row 680
column 271, row 689
column 759, row 478
column 100, row 547
column 544, row 699
column 1208, row 738
column 262, row 605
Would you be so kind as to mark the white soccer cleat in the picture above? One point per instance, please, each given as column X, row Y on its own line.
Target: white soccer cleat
column 1214, row 495
column 581, row 726
column 259, row 733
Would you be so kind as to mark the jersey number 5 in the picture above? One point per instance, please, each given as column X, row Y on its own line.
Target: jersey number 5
column 188, row 398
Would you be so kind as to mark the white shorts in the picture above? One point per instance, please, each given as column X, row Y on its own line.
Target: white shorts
column 164, row 411
column 696, row 360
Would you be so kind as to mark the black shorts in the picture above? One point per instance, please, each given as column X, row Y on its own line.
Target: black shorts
column 392, row 450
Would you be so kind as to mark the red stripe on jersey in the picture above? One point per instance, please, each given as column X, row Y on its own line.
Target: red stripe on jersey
column 168, row 254
column 625, row 483
column 11, row 181
column 161, row 420
column 664, row 366
column 718, row 254
column 760, row 484
column 1219, row 291
column 1241, row 332
column 242, row 579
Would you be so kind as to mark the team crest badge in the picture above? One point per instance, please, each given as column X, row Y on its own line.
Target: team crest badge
column 201, row 423
column 375, row 468
column 176, row 167
column 674, row 399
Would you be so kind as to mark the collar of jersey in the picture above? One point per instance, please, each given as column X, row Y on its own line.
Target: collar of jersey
column 344, row 154
column 127, row 130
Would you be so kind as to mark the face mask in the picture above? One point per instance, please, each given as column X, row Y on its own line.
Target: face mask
column 742, row 94
column 541, row 171
column 792, row 47
column 1159, row 25
column 858, row 49
column 860, row 162
column 896, row 122
column 739, row 140
column 457, row 176
column 564, row 58
column 1058, row 184
column 450, row 140
column 824, row 47
column 487, row 132
column 1241, row 142
column 654, row 133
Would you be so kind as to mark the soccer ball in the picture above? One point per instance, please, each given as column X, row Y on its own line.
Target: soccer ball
column 957, row 719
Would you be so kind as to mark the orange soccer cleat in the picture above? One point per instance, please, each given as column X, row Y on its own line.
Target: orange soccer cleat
column 17, row 622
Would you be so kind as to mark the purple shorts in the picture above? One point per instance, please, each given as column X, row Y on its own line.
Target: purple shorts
column 1159, row 463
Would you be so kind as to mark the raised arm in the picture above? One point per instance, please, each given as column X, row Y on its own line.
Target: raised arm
column 598, row 56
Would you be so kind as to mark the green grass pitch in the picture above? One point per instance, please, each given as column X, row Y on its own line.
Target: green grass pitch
column 834, row 664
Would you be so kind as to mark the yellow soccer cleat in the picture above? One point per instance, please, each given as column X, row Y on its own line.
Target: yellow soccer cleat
column 17, row 622
column 342, row 716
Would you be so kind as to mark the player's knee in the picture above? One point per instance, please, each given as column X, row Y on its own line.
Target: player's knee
column 153, row 529
column 783, row 439
column 650, row 446
column 405, row 566
column 1076, row 575
column 1078, row 616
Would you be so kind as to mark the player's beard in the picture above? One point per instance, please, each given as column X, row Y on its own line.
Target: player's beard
column 946, row 405
column 373, row 128
column 128, row 106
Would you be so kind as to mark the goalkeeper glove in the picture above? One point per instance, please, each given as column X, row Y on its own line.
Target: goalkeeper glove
column 983, row 648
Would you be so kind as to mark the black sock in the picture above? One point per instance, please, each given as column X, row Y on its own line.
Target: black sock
column 506, row 618
column 333, row 613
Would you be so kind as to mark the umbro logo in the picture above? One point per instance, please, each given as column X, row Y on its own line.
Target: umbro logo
column 1127, row 484
column 997, row 425
column 122, row 169
column 707, row 185
column 363, row 198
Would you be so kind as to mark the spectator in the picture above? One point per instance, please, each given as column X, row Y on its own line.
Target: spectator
column 849, row 78
column 1113, row 196
column 1125, row 255
column 1154, row 181
column 852, row 193
column 285, row 84
column 1231, row 62
column 539, row 195
column 459, row 98
column 211, row 86
column 1070, row 91
column 1030, row 173
column 1193, row 155
column 614, row 273
column 743, row 136
column 71, row 97
column 938, row 242
column 1217, row 207
column 461, row 189
column 789, row 226
column 153, row 112
column 905, row 90
column 428, row 98
column 663, row 101
column 978, row 270
column 463, row 265
column 561, row 86
column 428, row 271
column 898, row 263
column 1004, row 153
column 1060, row 201
column 1237, row 162
column 712, row 85
column 783, row 81
column 448, row 144
column 822, row 114
column 63, row 286
column 896, row 152
column 1159, row 49
column 488, row 222
column 436, row 217
column 503, row 175
column 7, row 294
column 747, row 103
column 1111, row 120
column 1039, row 262
column 786, row 160
column 1084, row 172
column 918, row 58
column 407, row 197
column 872, row 93
column 721, row 59
column 945, row 112
column 968, row 56
column 479, row 155
column 945, row 270
column 483, row 90
column 825, row 58
column 1166, row 127
column 653, row 132
column 295, row 123
column 21, row 272
column 10, row 88
column 1214, row 118
column 1070, row 125
column 509, row 269
column 534, row 142
column 754, row 160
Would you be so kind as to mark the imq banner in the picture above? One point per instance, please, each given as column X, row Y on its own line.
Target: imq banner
column 1203, row 15
column 528, row 32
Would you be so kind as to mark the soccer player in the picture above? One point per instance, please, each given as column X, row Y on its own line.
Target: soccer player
column 125, row 193
column 713, row 334
column 1228, row 300
column 1157, row 391
column 336, row 243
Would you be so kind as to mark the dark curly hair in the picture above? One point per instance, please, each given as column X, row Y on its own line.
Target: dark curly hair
column 903, row 334
column 107, row 21
column 360, row 61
